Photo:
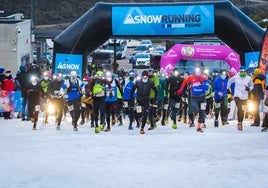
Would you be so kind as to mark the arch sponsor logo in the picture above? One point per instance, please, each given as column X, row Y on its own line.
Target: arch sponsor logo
column 187, row 51
column 162, row 20
column 136, row 16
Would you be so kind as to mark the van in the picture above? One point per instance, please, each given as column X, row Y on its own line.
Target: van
column 103, row 58
column 119, row 45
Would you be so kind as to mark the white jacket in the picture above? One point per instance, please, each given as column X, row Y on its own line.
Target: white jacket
column 240, row 86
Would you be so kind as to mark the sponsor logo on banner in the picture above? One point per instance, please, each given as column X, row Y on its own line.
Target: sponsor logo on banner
column 163, row 20
column 65, row 63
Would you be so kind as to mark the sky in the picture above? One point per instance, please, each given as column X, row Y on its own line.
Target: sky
column 164, row 157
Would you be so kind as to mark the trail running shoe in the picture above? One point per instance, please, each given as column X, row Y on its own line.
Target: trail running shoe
column 199, row 130
column 174, row 126
column 142, row 131
column 101, row 127
column 107, row 129
column 192, row 125
column 239, row 127
column 151, row 128
column 97, row 129
column 216, row 123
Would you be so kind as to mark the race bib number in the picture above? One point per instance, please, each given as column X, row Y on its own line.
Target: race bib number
column 37, row 108
column 100, row 94
column 203, row 106
column 108, row 92
column 138, row 109
column 184, row 99
column 165, row 106
column 125, row 104
column 70, row 108
column 244, row 107
column 177, row 105
column 217, row 105
column 83, row 105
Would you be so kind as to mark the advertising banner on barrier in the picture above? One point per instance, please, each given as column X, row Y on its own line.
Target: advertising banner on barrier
column 251, row 59
column 65, row 63
column 10, row 101
column 162, row 20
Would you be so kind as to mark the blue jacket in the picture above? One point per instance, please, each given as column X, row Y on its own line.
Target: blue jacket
column 220, row 85
column 127, row 90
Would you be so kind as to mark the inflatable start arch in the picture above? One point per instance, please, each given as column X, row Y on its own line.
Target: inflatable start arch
column 159, row 20
column 199, row 52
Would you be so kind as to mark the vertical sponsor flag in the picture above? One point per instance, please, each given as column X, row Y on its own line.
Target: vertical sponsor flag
column 263, row 59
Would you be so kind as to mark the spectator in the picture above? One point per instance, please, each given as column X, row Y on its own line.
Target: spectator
column 7, row 85
column 257, row 94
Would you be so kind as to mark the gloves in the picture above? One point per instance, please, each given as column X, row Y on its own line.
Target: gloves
column 179, row 92
column 247, row 88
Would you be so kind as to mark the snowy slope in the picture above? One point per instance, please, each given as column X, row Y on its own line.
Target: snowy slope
column 164, row 157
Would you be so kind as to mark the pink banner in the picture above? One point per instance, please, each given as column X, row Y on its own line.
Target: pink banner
column 199, row 52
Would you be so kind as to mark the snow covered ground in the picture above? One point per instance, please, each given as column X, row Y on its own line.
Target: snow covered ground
column 164, row 157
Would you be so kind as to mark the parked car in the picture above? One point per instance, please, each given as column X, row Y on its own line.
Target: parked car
column 146, row 42
column 103, row 58
column 142, row 60
column 119, row 45
column 160, row 48
column 142, row 48
column 133, row 43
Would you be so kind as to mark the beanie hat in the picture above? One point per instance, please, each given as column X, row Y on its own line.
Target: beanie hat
column 257, row 71
column 145, row 73
column 2, row 70
column 22, row 68
column 242, row 68
column 86, row 78
column 232, row 72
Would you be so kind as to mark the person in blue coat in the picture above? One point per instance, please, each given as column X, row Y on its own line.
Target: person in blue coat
column 129, row 109
column 75, row 89
column 221, row 98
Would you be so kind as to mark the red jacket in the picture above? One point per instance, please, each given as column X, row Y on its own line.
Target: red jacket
column 8, row 84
